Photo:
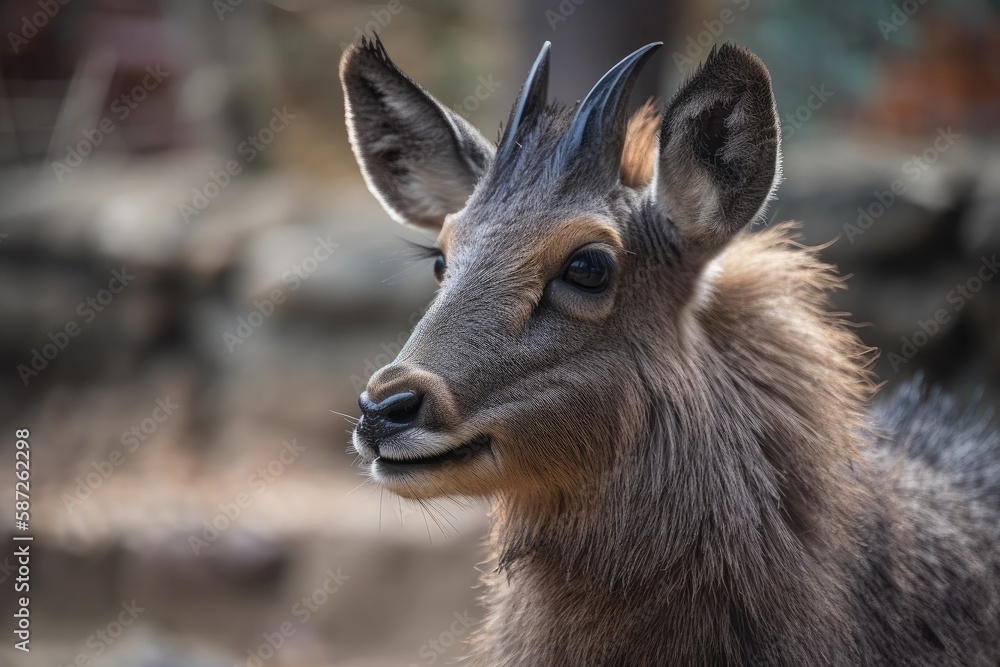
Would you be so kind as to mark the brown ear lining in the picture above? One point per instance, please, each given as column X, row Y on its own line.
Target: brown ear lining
column 641, row 140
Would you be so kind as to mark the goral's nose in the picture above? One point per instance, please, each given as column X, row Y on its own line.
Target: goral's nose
column 392, row 414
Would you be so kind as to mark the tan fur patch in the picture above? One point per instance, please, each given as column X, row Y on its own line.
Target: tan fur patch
column 445, row 234
column 640, row 145
column 543, row 264
column 566, row 237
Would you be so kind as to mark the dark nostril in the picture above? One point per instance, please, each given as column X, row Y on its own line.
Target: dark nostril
column 404, row 415
column 399, row 408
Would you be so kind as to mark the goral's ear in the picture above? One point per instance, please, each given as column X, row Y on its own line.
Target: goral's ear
column 420, row 159
column 719, row 160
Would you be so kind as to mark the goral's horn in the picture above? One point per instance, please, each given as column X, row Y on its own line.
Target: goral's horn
column 530, row 100
column 597, row 133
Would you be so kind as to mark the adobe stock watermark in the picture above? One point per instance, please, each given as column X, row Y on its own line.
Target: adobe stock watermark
column 436, row 647
column 302, row 611
column 899, row 16
column 804, row 112
column 914, row 169
column 103, row 638
column 249, row 149
column 87, row 310
column 487, row 86
column 30, row 25
column 698, row 45
column 562, row 12
column 230, row 512
column 224, row 7
column 294, row 277
column 956, row 299
column 390, row 350
column 122, row 107
column 7, row 570
column 404, row 510
column 131, row 440
column 381, row 18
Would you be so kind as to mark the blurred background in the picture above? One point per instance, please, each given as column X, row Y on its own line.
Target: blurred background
column 193, row 277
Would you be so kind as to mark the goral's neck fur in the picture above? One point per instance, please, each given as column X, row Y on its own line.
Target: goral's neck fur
column 727, row 529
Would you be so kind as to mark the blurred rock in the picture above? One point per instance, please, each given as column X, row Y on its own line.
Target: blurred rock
column 981, row 229
column 357, row 263
column 844, row 188
column 143, row 647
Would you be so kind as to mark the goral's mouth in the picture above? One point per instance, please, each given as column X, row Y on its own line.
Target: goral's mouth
column 466, row 452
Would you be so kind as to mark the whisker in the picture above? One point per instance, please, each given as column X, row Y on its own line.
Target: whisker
column 445, row 514
column 376, row 486
column 350, row 418
column 429, row 504
column 356, row 488
column 423, row 511
column 391, row 280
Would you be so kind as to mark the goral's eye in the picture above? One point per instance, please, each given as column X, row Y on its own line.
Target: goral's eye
column 439, row 268
column 590, row 270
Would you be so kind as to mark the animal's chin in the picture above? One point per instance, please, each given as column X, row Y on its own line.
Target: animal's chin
column 390, row 469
